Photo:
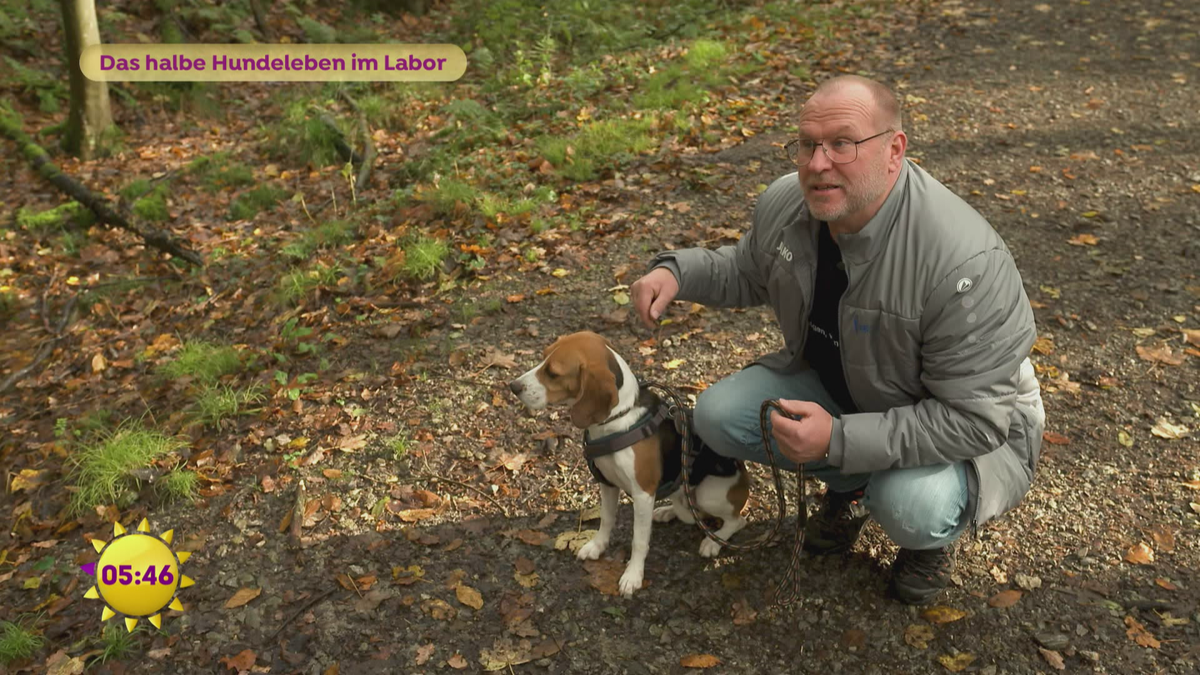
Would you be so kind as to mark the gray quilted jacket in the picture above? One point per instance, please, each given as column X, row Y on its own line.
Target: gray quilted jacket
column 935, row 331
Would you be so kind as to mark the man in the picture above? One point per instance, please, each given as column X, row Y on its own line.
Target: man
column 907, row 333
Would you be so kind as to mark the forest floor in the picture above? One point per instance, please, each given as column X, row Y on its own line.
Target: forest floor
column 1070, row 126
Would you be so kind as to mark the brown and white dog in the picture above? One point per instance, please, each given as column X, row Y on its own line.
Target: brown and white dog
column 582, row 371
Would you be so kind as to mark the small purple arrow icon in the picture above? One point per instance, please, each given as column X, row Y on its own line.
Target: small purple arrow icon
column 89, row 568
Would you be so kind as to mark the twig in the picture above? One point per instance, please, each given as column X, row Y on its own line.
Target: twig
column 298, row 513
column 433, row 478
column 44, row 352
column 308, row 605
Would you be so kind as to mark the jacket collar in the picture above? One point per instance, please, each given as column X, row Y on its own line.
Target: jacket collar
column 862, row 246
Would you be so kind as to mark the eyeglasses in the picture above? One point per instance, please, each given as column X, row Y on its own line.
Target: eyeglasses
column 838, row 150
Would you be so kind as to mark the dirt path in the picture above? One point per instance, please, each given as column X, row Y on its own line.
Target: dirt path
column 1061, row 122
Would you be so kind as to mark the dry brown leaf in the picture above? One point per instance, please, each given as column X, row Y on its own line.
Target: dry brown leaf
column 1053, row 658
column 268, row 484
column 61, row 664
column 515, row 298
column 352, row 443
column 1043, row 345
column 699, row 661
column 942, row 614
column 532, row 537
column 918, row 635
column 243, row 661
column 439, row 609
column 1005, row 598
column 457, row 662
column 1138, row 633
column 603, row 575
column 1166, row 584
column 424, row 653
column 1141, row 554
column 1193, row 484
column 956, row 663
column 242, row 597
column 495, row 358
column 413, row 515
column 1164, row 538
column 526, row 580
column 1083, row 239
column 335, row 669
column 1191, row 336
column 743, row 613
column 29, row 480
column 1160, row 354
column 572, row 540
column 1055, row 438
column 469, row 596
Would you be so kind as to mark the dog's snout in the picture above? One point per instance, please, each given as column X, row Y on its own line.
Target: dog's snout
column 516, row 386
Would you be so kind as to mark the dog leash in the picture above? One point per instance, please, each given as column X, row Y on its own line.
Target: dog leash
column 788, row 590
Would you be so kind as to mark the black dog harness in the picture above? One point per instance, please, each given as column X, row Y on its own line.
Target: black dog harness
column 645, row 427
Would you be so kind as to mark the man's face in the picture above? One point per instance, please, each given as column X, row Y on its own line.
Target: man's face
column 837, row 191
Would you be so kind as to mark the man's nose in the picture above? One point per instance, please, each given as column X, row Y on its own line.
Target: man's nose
column 820, row 160
column 516, row 386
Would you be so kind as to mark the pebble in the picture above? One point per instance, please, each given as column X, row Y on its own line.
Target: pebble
column 1053, row 641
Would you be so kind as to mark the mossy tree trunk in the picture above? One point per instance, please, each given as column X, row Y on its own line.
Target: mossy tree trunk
column 91, row 116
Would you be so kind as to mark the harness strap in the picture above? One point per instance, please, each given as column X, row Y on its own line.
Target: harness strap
column 646, row 427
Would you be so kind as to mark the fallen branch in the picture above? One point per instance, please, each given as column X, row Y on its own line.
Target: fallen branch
column 344, row 150
column 440, row 479
column 10, row 126
column 298, row 612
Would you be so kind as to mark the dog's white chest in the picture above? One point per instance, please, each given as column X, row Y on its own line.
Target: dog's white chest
column 618, row 468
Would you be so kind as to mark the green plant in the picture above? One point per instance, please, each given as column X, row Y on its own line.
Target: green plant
column 398, row 445
column 48, row 89
column 105, row 471
column 301, row 137
column 447, row 194
column 179, row 485
column 60, row 218
column 217, row 402
column 598, row 143
column 202, row 361
column 153, row 206
column 296, row 285
column 331, row 233
column 115, row 643
column 423, row 256
column 17, row 642
column 249, row 204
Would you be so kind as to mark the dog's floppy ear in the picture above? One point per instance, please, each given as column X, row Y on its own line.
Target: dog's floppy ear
column 597, row 395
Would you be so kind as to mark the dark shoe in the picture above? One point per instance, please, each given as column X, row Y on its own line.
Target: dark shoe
column 836, row 527
column 919, row 576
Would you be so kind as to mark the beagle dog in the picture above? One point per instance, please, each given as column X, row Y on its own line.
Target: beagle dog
column 639, row 453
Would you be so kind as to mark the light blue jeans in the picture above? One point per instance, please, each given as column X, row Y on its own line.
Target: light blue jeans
column 919, row 508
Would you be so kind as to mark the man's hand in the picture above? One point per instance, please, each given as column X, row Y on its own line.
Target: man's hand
column 805, row 439
column 652, row 293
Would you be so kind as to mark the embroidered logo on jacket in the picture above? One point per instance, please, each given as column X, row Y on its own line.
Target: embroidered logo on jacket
column 964, row 285
column 784, row 251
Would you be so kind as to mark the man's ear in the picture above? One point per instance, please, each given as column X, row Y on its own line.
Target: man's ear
column 896, row 147
column 597, row 395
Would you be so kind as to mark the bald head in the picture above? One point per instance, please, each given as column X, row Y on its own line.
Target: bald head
column 884, row 104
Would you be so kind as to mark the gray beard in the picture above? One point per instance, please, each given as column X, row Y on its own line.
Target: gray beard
column 857, row 199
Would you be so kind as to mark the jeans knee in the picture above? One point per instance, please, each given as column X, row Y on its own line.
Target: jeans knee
column 921, row 508
column 715, row 417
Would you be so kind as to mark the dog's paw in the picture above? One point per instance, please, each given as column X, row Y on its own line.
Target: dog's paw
column 592, row 549
column 664, row 514
column 709, row 548
column 631, row 581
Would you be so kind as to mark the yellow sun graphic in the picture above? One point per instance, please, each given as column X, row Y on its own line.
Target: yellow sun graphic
column 138, row 575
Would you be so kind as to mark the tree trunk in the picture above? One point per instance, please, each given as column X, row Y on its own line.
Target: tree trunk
column 91, row 116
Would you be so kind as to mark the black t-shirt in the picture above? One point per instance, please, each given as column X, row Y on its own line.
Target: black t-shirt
column 823, row 348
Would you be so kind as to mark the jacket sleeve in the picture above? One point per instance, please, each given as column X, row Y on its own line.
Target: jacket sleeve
column 732, row 276
column 974, row 341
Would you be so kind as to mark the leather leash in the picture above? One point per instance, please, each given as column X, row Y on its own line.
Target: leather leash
column 788, row 590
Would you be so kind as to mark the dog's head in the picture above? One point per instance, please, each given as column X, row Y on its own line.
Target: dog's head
column 578, row 369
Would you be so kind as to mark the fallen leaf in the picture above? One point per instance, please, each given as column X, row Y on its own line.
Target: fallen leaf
column 332, row 474
column 28, row 480
column 457, row 662
column 1138, row 633
column 942, row 614
column 918, row 635
column 424, row 653
column 243, row 661
column 999, row 575
column 495, row 358
column 533, row 537
column 699, row 661
column 469, row 596
column 1160, row 354
column 159, row 654
column 438, row 609
column 1043, row 345
column 573, row 540
column 1005, row 599
column 1166, row 584
column 335, row 669
column 1191, row 336
column 1164, row 538
column 1125, row 439
column 353, row 443
column 407, row 575
column 1053, row 658
column 743, row 613
column 1055, row 438
column 60, row 664
column 98, row 363
column 268, row 484
column 1141, row 554
column 603, row 575
column 559, row 273
column 371, row 600
column 621, row 298
column 242, row 597
column 515, row 298
column 1193, row 484
column 956, row 663
column 413, row 515
column 526, row 580
column 1164, row 429
column 673, row 364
